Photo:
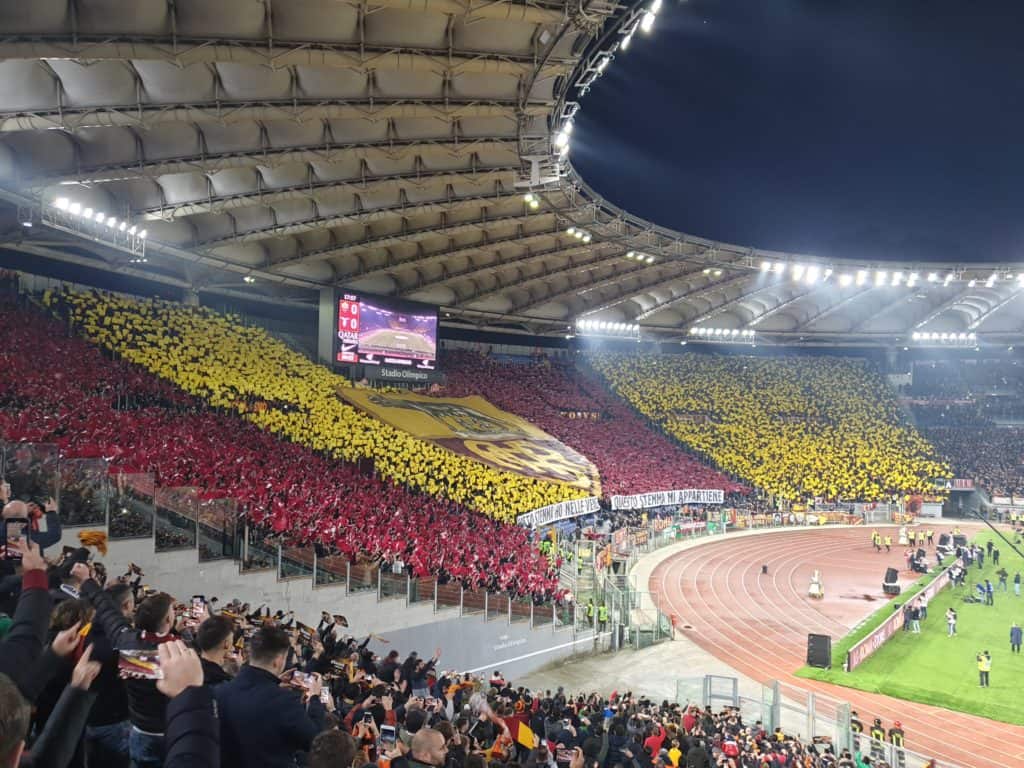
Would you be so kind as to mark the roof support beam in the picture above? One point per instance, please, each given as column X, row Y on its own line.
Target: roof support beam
column 234, row 112
column 986, row 315
column 889, row 308
column 277, row 54
column 726, row 305
column 317, row 190
column 416, row 235
column 957, row 298
column 265, row 157
column 526, row 258
column 442, row 205
column 784, row 305
column 596, row 285
column 519, row 283
column 707, row 287
column 833, row 308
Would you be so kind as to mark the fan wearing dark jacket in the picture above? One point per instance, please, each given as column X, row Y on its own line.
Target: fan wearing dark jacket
column 261, row 722
column 154, row 621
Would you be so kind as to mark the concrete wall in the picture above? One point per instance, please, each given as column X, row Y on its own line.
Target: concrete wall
column 468, row 643
column 473, row 644
column 181, row 574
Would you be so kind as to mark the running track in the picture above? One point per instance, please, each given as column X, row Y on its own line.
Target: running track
column 759, row 624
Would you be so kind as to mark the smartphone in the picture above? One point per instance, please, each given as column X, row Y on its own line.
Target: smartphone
column 429, row 702
column 564, row 756
column 300, row 679
column 367, row 717
column 140, row 663
column 388, row 736
column 325, row 695
column 15, row 528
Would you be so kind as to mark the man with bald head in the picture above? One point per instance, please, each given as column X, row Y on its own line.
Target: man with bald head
column 428, row 749
column 45, row 522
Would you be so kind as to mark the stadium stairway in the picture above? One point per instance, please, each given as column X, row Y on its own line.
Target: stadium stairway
column 512, row 633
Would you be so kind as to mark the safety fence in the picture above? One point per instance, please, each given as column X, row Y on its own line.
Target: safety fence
column 811, row 717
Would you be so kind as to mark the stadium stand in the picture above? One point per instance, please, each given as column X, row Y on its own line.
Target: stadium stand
column 971, row 411
column 245, row 370
column 796, row 427
column 631, row 457
column 991, row 456
column 92, row 406
column 218, row 697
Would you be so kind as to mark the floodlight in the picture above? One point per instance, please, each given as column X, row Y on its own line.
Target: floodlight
column 75, row 209
column 880, row 276
column 647, row 22
column 798, row 271
column 862, row 276
column 765, row 266
column 142, row 234
column 100, row 217
column 571, row 231
column 87, row 213
column 625, row 42
column 779, row 267
column 535, row 204
column 650, row 259
column 62, row 203
column 845, row 280
column 812, row 274
column 971, row 283
column 933, row 277
column 528, row 197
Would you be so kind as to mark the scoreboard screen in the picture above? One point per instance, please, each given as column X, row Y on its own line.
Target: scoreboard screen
column 379, row 330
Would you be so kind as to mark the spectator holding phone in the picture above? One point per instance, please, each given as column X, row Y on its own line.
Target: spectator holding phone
column 154, row 622
column 261, row 722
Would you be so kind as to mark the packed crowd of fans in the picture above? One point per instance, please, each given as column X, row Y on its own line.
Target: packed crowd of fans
column 246, row 371
column 96, row 670
column 991, row 456
column 631, row 457
column 796, row 427
column 91, row 406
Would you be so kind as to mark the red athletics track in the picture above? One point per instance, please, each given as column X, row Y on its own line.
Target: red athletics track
column 759, row 624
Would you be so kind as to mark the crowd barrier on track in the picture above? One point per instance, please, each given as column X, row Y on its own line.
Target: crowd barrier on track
column 811, row 717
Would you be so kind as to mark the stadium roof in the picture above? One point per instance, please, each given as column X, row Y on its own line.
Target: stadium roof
column 409, row 147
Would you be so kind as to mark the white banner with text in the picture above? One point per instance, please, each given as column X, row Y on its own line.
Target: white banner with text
column 668, row 498
column 561, row 511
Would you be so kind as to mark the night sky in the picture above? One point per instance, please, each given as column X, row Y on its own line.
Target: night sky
column 856, row 128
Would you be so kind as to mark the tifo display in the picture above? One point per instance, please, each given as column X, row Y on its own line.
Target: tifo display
column 385, row 331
